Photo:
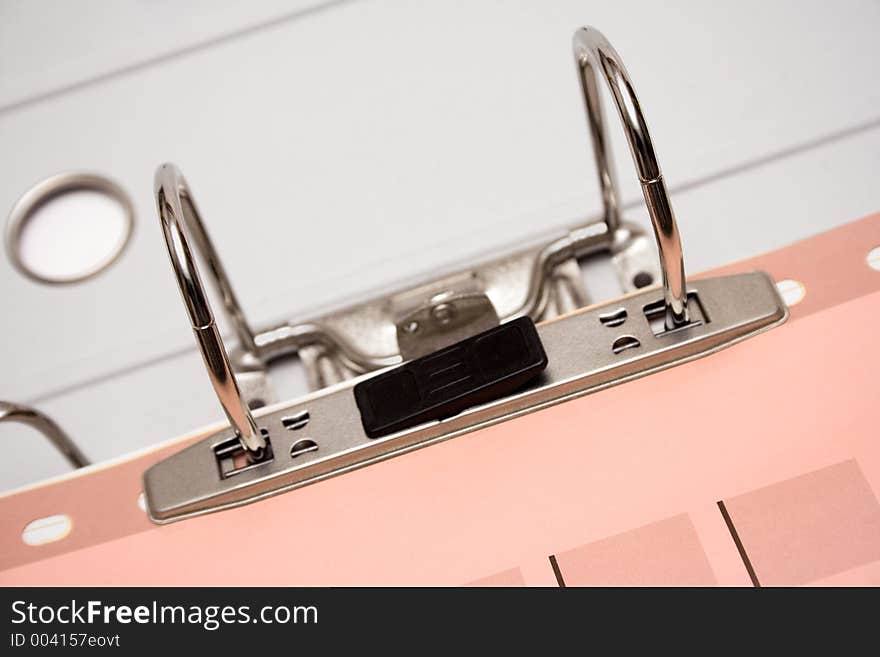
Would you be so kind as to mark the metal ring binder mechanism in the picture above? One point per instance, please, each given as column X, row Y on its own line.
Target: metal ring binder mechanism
column 458, row 353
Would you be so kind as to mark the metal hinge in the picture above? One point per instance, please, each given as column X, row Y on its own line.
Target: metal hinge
column 305, row 440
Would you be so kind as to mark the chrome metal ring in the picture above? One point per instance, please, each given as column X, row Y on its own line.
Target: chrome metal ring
column 182, row 226
column 49, row 189
column 592, row 51
column 10, row 412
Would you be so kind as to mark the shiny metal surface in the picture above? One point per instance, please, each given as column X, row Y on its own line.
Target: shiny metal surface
column 371, row 335
column 49, row 189
column 447, row 309
column 453, row 314
column 182, row 226
column 31, row 417
column 376, row 324
column 587, row 350
column 593, row 53
column 585, row 354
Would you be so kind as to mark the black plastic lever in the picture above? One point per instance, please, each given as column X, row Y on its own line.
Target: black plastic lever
column 474, row 371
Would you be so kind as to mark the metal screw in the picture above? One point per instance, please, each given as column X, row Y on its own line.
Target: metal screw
column 443, row 313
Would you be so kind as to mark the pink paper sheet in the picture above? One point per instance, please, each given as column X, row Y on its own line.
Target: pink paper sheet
column 609, row 485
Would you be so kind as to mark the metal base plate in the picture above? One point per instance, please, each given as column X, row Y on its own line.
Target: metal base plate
column 588, row 350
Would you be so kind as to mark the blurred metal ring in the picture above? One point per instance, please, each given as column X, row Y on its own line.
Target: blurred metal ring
column 10, row 412
column 49, row 189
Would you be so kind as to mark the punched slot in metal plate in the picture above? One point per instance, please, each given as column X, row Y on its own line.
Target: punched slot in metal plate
column 655, row 312
column 233, row 459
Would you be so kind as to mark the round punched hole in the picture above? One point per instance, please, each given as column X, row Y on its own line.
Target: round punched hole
column 69, row 228
column 255, row 403
column 874, row 258
column 791, row 291
column 47, row 530
column 301, row 447
column 642, row 279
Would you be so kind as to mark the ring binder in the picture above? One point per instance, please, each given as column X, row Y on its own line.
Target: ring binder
column 176, row 210
column 586, row 349
column 10, row 412
column 591, row 51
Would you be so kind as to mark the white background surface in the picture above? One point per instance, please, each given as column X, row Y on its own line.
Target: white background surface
column 338, row 150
